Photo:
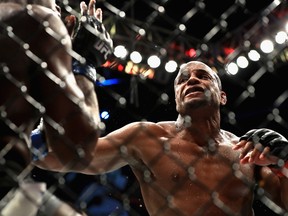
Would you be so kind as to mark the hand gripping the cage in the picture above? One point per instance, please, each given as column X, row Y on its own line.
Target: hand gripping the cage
column 277, row 144
column 92, row 41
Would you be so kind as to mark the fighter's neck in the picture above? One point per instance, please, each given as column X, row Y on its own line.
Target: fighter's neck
column 207, row 126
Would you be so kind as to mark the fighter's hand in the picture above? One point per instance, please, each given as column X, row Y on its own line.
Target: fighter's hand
column 70, row 20
column 91, row 40
column 91, row 10
column 262, row 147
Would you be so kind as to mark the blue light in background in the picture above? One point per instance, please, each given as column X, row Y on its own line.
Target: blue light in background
column 105, row 115
column 108, row 82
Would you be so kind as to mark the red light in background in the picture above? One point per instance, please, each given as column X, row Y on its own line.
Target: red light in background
column 228, row 50
column 106, row 64
column 190, row 53
column 120, row 67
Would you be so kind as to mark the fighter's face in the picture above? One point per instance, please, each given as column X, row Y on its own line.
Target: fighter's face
column 197, row 85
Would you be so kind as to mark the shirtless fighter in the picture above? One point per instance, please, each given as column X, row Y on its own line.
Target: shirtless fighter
column 191, row 166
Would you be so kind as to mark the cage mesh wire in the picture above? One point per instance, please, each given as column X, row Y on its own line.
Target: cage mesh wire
column 117, row 192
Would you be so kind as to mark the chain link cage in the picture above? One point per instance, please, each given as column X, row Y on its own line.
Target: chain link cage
column 257, row 97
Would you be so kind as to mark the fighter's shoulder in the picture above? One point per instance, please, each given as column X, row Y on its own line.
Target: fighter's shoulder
column 167, row 125
column 144, row 127
column 156, row 126
column 227, row 135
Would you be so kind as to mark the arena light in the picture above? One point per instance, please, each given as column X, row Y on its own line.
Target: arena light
column 281, row 37
column 120, row 52
column 137, row 69
column 171, row 66
column 267, row 46
column 254, row 55
column 154, row 61
column 228, row 50
column 120, row 67
column 232, row 68
column 242, row 62
column 136, row 57
column 191, row 52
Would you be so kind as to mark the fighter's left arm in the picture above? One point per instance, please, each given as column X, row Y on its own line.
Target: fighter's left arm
column 269, row 150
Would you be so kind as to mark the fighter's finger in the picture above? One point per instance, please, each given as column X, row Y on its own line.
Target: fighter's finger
column 247, row 148
column 267, row 155
column 99, row 15
column 255, row 154
column 240, row 144
column 245, row 159
column 91, row 8
column 83, row 8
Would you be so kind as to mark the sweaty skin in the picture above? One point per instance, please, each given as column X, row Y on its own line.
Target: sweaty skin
column 188, row 166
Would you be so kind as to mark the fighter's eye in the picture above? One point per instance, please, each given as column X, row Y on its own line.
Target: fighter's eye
column 183, row 79
column 204, row 76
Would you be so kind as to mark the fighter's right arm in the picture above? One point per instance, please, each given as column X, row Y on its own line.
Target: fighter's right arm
column 121, row 147
column 71, row 114
column 112, row 151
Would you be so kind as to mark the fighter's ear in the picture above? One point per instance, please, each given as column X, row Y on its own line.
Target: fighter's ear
column 223, row 98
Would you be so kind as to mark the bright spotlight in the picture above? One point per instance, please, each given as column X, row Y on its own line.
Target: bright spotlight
column 171, row 66
column 254, row 55
column 232, row 68
column 281, row 37
column 154, row 61
column 135, row 57
column 242, row 62
column 120, row 51
column 267, row 46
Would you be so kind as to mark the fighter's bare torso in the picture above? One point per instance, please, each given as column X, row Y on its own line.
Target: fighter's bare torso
column 180, row 177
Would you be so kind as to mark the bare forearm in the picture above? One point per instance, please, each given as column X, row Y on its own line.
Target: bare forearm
column 91, row 101
column 50, row 162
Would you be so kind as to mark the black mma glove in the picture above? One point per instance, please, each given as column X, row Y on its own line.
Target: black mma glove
column 92, row 41
column 277, row 143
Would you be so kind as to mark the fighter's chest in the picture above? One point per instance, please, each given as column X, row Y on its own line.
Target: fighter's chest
column 183, row 161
